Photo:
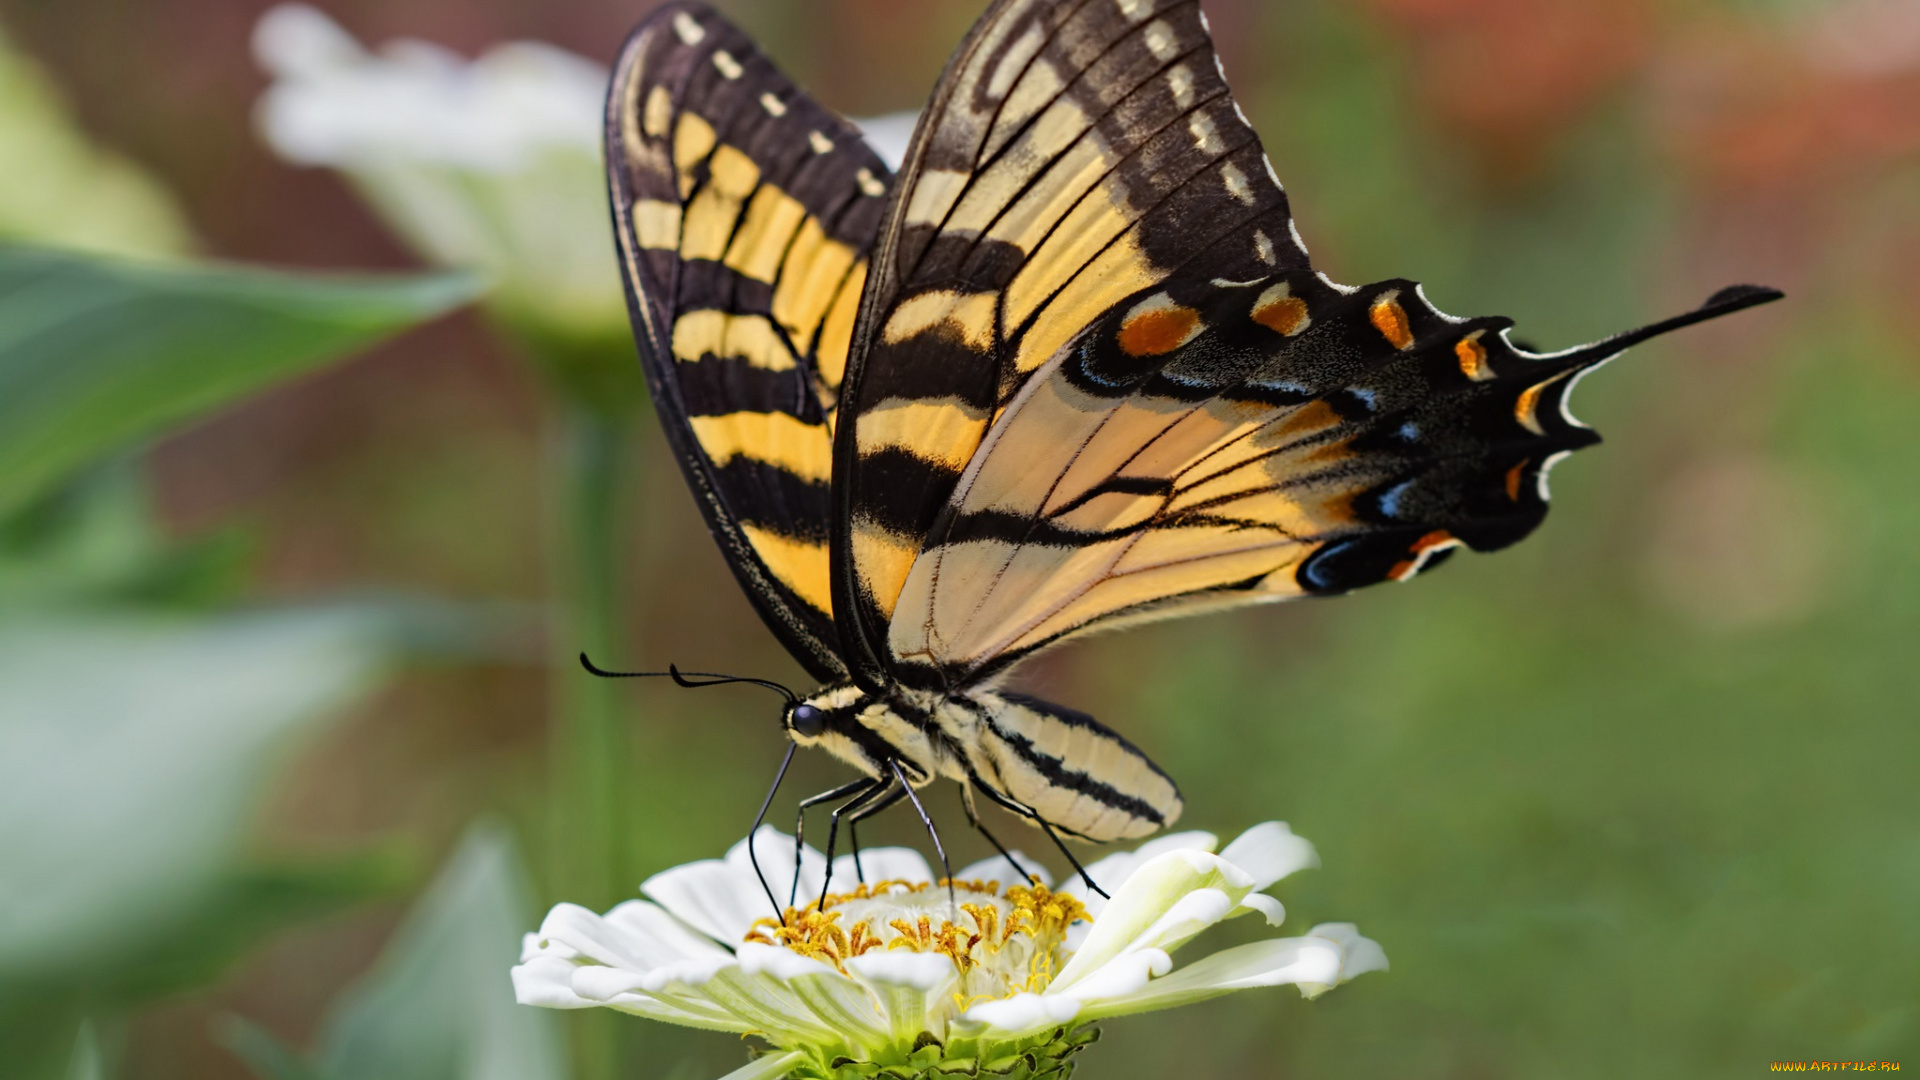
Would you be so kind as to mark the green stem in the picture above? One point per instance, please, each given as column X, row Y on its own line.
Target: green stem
column 592, row 762
column 590, row 753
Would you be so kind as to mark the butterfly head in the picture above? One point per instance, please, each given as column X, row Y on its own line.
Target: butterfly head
column 824, row 714
column 806, row 721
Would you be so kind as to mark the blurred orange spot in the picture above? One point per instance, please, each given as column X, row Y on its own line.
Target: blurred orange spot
column 1158, row 330
column 1523, row 409
column 1391, row 320
column 1283, row 316
column 1406, row 568
column 1473, row 358
column 1513, row 479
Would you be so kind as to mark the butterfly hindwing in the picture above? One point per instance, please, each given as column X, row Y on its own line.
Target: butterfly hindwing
column 744, row 212
column 1074, row 154
column 1299, row 439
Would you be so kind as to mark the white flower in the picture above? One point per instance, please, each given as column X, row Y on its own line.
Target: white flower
column 492, row 164
column 893, row 973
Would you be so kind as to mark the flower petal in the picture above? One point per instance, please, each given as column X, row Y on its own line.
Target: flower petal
column 1021, row 1014
column 723, row 898
column 636, row 936
column 760, row 996
column 1270, row 851
column 1358, row 955
column 907, row 985
column 1263, row 963
column 1123, row 976
column 836, row 1000
column 547, row 981
column 1133, row 918
column 995, row 868
column 879, row 864
column 1113, row 871
column 770, row 1067
column 1274, row 910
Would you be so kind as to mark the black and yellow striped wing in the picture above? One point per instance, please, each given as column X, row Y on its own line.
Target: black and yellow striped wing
column 744, row 212
column 1074, row 155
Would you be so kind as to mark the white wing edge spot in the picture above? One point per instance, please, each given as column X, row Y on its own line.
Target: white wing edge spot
column 1294, row 231
column 1540, row 480
column 1566, row 396
column 728, row 66
column 1334, row 285
column 688, row 31
column 820, row 143
column 773, row 105
column 869, row 184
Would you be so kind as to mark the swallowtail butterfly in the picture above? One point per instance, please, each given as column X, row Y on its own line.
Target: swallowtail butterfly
column 1068, row 370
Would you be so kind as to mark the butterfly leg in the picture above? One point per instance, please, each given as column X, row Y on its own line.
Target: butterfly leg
column 853, row 828
column 753, row 833
column 973, row 816
column 938, row 848
column 873, row 799
column 1007, row 802
column 865, row 785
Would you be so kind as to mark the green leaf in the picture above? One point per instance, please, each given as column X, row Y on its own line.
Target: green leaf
column 132, row 752
column 440, row 1005
column 93, row 541
column 97, row 353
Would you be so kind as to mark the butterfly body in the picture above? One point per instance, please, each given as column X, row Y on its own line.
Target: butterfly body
column 1076, row 774
column 1068, row 371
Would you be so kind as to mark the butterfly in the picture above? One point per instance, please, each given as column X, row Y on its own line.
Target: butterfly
column 1068, row 370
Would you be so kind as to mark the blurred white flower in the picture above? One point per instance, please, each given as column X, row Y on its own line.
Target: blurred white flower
column 894, row 975
column 493, row 164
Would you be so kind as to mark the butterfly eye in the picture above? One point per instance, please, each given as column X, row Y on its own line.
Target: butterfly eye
column 807, row 721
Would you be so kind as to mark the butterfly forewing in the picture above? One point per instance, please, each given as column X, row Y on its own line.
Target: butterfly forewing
column 1075, row 154
column 744, row 213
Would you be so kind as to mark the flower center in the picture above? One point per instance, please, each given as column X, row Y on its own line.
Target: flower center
column 1003, row 942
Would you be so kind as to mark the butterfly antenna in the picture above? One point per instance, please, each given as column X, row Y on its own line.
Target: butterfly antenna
column 686, row 678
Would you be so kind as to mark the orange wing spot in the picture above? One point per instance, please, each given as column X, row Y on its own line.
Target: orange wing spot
column 1525, row 407
column 1422, row 549
column 1513, row 479
column 1391, row 320
column 1286, row 315
column 1473, row 358
column 1159, row 330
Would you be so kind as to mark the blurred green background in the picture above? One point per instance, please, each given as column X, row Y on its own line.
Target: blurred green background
column 1635, row 798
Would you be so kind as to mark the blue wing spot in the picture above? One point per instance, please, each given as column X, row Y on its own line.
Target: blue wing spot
column 1390, row 502
column 1410, row 431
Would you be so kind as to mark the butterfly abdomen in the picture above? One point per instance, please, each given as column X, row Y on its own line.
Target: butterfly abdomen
column 1075, row 772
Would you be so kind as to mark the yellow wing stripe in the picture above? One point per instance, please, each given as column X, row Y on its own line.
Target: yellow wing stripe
column 918, row 427
column 772, row 219
column 968, row 316
column 810, row 275
column 774, row 438
column 752, row 338
column 657, row 224
column 801, row 565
